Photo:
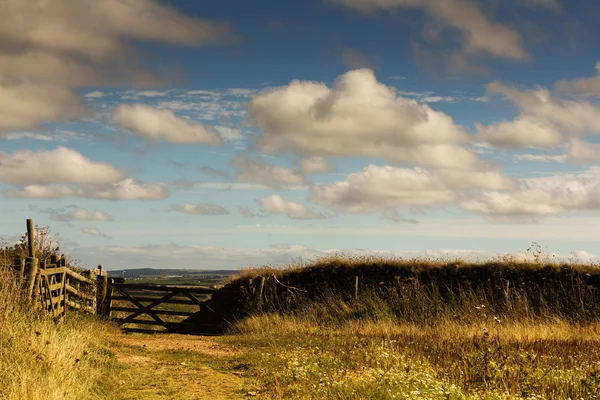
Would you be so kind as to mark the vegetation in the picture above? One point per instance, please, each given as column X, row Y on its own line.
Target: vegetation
column 340, row 349
column 43, row 360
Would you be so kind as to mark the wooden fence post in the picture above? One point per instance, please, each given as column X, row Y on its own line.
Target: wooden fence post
column 356, row 287
column 19, row 266
column 30, row 238
column 259, row 292
column 108, row 299
column 32, row 267
column 101, row 290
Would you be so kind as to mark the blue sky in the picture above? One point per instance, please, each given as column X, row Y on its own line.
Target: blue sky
column 234, row 133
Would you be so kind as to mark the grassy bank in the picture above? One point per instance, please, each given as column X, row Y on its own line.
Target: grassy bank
column 43, row 360
column 361, row 350
column 421, row 329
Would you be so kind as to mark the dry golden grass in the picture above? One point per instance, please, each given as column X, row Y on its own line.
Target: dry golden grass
column 335, row 348
column 43, row 360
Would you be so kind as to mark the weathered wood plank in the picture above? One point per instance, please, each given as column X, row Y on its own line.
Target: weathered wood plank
column 52, row 271
column 79, row 293
column 159, row 288
column 153, row 311
column 79, row 277
column 151, row 299
column 80, row 307
column 55, row 286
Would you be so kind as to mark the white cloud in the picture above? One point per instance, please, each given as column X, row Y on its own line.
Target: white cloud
column 130, row 189
column 480, row 34
column 155, row 124
column 571, row 116
column 542, row 157
column 94, row 95
column 62, row 165
column 524, row 131
column 257, row 171
column 583, row 152
column 314, row 165
column 379, row 188
column 94, row 232
column 200, row 209
column 80, row 214
column 229, row 134
column 541, row 197
column 588, row 87
column 127, row 189
column 276, row 204
column 358, row 116
column 49, row 47
column 44, row 192
column 545, row 121
column 26, row 105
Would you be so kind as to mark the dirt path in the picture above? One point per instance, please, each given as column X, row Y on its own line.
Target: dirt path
column 179, row 367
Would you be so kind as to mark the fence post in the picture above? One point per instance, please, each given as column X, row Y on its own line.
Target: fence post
column 30, row 238
column 54, row 260
column 108, row 299
column 19, row 266
column 356, row 287
column 32, row 267
column 259, row 292
column 101, row 290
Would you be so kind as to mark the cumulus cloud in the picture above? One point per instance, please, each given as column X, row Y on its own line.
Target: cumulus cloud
column 200, row 209
column 25, row 105
column 379, row 188
column 276, row 204
column 587, row 87
column 583, row 152
column 545, row 121
column 95, row 232
column 49, row 47
column 259, row 172
column 154, row 124
column 480, row 35
column 62, row 165
column 358, row 116
column 540, row 197
column 524, row 131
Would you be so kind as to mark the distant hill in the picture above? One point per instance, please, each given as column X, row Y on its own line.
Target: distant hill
column 158, row 272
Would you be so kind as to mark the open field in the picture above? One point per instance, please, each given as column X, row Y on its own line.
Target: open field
column 440, row 331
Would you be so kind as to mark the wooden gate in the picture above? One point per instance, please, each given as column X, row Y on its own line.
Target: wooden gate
column 52, row 291
column 145, row 303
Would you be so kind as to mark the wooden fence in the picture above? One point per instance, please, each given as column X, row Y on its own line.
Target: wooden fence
column 54, row 286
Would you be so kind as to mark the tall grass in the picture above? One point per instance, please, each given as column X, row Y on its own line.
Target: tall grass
column 423, row 330
column 335, row 348
column 40, row 359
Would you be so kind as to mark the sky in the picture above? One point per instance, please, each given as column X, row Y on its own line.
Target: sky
column 227, row 134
